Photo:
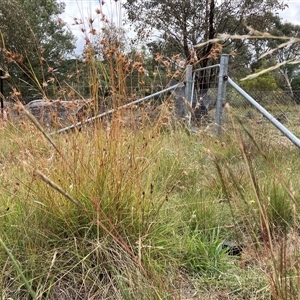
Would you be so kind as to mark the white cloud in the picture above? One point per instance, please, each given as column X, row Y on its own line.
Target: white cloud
column 292, row 13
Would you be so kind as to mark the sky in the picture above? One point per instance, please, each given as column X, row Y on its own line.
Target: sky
column 292, row 13
column 83, row 9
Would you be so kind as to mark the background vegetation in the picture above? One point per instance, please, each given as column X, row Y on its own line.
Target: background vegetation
column 35, row 36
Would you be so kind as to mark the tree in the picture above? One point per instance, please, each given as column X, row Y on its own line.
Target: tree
column 281, row 52
column 190, row 22
column 264, row 82
column 291, row 52
column 33, row 40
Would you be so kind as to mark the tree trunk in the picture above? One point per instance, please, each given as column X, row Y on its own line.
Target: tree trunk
column 202, row 82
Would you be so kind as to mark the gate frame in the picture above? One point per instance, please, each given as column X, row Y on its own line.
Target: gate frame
column 189, row 94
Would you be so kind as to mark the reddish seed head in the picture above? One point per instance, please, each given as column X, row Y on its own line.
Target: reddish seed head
column 60, row 21
column 93, row 31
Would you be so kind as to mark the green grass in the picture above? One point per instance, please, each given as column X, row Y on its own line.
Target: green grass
column 142, row 214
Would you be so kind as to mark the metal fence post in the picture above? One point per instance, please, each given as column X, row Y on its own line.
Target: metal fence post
column 223, row 76
column 1, row 91
column 188, row 88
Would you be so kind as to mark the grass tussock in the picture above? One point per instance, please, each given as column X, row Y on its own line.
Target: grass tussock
column 135, row 206
column 114, row 212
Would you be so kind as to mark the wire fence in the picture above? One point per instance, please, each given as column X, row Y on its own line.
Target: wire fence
column 202, row 91
column 265, row 98
column 283, row 105
column 272, row 109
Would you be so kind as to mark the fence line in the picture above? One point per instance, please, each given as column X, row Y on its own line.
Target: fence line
column 111, row 111
column 271, row 118
column 196, row 92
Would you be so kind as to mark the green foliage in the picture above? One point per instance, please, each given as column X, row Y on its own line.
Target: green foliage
column 279, row 210
column 286, row 73
column 296, row 83
column 264, row 82
column 40, row 29
column 33, row 38
column 205, row 255
column 185, row 23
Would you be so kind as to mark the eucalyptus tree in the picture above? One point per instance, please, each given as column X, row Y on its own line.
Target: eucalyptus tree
column 289, row 54
column 184, row 24
column 33, row 40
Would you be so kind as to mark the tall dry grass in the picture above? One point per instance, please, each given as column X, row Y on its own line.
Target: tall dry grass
column 127, row 209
